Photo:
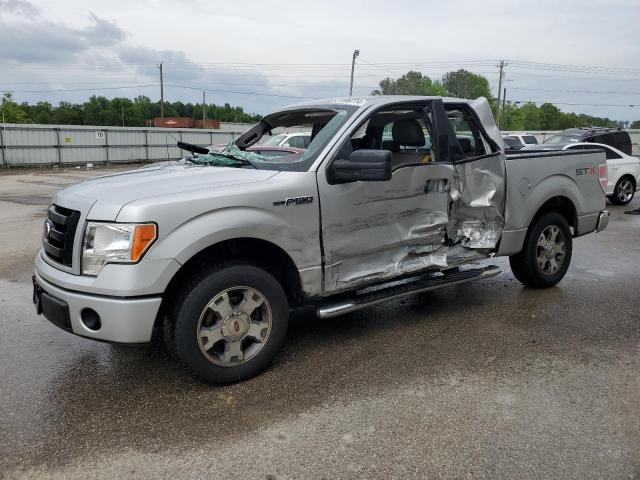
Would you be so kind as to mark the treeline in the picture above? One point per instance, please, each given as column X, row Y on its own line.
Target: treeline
column 548, row 117
column 100, row 110
column 465, row 84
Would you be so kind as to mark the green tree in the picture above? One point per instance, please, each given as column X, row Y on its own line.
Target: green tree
column 11, row 112
column 41, row 112
column 464, row 84
column 67, row 114
column 411, row 83
column 635, row 124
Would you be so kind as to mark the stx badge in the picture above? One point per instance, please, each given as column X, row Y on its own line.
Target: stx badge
column 586, row 171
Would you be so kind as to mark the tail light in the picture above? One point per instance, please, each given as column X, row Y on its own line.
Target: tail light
column 603, row 176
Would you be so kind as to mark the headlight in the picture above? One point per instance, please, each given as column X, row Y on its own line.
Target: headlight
column 114, row 243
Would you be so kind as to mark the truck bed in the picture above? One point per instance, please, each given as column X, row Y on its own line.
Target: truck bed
column 535, row 177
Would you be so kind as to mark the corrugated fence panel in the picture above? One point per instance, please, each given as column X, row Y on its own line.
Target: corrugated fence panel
column 197, row 138
column 119, row 137
column 71, row 144
column 29, row 137
column 127, row 154
column 83, row 155
column 164, row 153
column 31, row 156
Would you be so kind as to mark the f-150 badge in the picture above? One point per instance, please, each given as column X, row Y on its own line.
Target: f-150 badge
column 294, row 201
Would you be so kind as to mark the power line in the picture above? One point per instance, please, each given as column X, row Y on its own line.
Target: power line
column 80, row 89
column 578, row 104
column 240, row 93
column 573, row 91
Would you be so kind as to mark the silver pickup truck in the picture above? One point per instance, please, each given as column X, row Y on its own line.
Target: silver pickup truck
column 390, row 198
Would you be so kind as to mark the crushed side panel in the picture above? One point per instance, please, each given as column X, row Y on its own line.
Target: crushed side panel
column 477, row 203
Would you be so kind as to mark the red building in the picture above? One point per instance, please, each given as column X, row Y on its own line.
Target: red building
column 183, row 122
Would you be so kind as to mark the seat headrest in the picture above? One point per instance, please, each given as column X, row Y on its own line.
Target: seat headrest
column 465, row 145
column 408, row 133
column 390, row 145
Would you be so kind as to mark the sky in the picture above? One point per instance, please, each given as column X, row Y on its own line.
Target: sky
column 583, row 56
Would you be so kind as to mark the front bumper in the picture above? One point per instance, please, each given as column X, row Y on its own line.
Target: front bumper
column 121, row 320
column 603, row 220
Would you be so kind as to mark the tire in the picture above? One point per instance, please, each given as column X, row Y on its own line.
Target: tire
column 543, row 262
column 228, row 323
column 623, row 192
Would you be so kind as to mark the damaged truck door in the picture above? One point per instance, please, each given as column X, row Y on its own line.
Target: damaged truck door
column 438, row 206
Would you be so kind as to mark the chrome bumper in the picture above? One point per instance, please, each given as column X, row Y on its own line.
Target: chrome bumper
column 603, row 220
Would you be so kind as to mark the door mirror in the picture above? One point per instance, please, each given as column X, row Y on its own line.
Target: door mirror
column 363, row 166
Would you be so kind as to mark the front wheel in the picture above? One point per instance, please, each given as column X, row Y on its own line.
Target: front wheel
column 623, row 191
column 229, row 323
column 546, row 255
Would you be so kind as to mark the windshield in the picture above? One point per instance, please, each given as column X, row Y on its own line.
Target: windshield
column 275, row 140
column 560, row 139
column 323, row 121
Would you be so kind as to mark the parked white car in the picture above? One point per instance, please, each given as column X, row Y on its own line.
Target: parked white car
column 297, row 140
column 623, row 177
column 523, row 139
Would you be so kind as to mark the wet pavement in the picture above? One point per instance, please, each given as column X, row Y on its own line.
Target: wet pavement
column 485, row 380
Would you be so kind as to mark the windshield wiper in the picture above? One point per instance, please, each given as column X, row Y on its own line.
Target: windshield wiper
column 241, row 161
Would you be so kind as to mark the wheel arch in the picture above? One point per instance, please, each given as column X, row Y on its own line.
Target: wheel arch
column 559, row 204
column 259, row 252
column 630, row 176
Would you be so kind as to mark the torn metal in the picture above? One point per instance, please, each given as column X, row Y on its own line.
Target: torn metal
column 477, row 195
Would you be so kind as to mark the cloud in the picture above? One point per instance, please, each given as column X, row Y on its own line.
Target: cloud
column 145, row 60
column 29, row 38
column 103, row 32
column 19, row 7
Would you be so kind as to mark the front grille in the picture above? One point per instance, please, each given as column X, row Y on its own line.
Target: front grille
column 59, row 232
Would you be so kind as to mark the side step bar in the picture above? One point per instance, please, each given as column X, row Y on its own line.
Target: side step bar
column 422, row 284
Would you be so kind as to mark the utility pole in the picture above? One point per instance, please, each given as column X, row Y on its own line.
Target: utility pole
column 501, row 65
column 204, row 111
column 504, row 101
column 356, row 53
column 161, row 92
column 122, row 115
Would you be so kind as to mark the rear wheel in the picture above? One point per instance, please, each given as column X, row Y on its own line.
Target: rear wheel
column 229, row 323
column 623, row 192
column 546, row 255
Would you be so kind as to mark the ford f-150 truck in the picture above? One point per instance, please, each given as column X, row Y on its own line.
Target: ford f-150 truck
column 391, row 197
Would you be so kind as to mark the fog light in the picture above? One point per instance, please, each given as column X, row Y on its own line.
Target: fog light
column 90, row 319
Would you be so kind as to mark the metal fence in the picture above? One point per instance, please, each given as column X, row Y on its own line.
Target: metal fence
column 23, row 145
column 32, row 145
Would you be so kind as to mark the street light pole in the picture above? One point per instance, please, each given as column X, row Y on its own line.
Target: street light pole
column 356, row 53
column 501, row 66
column 504, row 101
column 161, row 92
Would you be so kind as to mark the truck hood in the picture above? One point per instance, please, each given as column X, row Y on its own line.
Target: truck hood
column 108, row 194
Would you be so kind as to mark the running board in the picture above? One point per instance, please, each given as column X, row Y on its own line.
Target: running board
column 422, row 284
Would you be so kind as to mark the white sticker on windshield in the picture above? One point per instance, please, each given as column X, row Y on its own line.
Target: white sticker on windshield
column 349, row 101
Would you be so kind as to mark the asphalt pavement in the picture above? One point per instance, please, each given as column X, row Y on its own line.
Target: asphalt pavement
column 484, row 380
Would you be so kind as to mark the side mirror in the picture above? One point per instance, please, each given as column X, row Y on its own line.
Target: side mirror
column 364, row 166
